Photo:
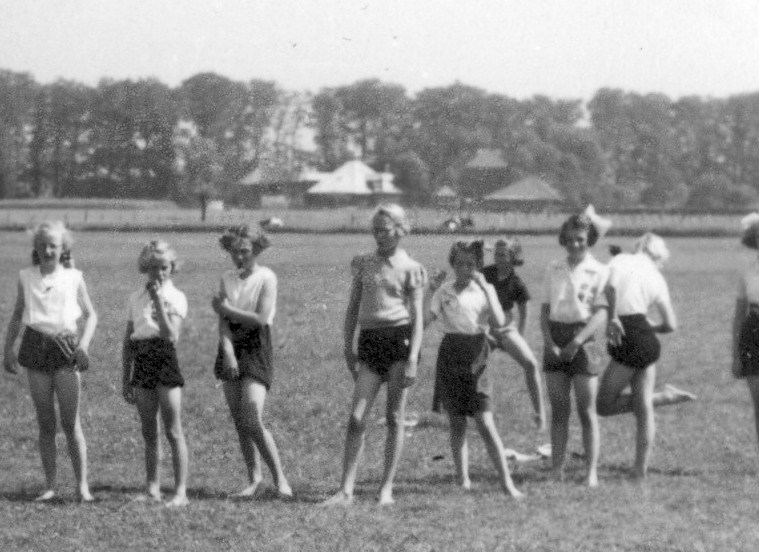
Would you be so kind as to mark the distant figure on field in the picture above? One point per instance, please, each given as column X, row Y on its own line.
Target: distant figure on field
column 246, row 304
column 151, row 376
column 635, row 285
column 467, row 306
column 51, row 298
column 385, row 302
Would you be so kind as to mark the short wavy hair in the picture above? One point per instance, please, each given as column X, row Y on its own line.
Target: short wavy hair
column 476, row 247
column 513, row 248
column 749, row 238
column 653, row 246
column 578, row 222
column 49, row 227
column 156, row 250
column 254, row 234
column 395, row 213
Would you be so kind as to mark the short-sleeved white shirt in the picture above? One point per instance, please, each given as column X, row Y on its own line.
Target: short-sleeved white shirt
column 386, row 287
column 748, row 284
column 638, row 283
column 574, row 293
column 51, row 302
column 243, row 293
column 464, row 312
column 142, row 312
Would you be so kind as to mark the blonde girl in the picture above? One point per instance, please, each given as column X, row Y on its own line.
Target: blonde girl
column 573, row 310
column 385, row 302
column 52, row 297
column 151, row 376
column 246, row 304
column 466, row 306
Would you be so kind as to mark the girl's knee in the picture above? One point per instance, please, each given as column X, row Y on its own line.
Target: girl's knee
column 356, row 424
column 588, row 416
column 175, row 434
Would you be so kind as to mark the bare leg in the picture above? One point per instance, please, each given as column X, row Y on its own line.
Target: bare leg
column 395, row 415
column 367, row 385
column 41, row 388
column 68, row 387
column 147, row 407
column 559, row 386
column 643, row 406
column 252, row 406
column 586, row 391
column 516, row 346
column 753, row 387
column 459, row 449
column 486, row 425
column 250, row 454
column 170, row 402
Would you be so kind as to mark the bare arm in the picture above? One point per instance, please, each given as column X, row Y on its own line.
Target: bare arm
column 597, row 320
column 522, row 322
column 668, row 317
column 350, row 324
column 253, row 319
column 496, row 310
column 417, row 331
column 127, row 359
column 545, row 328
column 169, row 324
column 90, row 317
column 14, row 327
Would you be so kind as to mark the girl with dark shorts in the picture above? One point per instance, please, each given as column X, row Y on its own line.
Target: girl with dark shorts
column 466, row 306
column 52, row 297
column 246, row 305
column 635, row 286
column 151, row 376
column 385, row 301
column 574, row 308
column 746, row 319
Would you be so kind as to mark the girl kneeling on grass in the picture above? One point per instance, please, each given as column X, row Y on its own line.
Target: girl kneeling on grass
column 466, row 306
column 574, row 308
column 51, row 298
column 386, row 302
column 246, row 304
column 151, row 377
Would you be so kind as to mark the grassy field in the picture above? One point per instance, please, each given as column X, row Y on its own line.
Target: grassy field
column 157, row 216
column 702, row 493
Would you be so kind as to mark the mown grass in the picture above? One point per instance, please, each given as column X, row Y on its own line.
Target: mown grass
column 702, row 492
column 136, row 216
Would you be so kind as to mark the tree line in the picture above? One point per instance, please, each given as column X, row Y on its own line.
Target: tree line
column 143, row 139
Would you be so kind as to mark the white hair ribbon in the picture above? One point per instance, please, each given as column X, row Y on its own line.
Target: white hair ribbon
column 749, row 220
column 602, row 224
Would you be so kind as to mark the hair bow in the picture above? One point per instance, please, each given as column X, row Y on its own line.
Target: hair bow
column 602, row 224
column 749, row 220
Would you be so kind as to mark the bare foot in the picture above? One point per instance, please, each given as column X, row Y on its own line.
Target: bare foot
column 465, row 484
column 675, row 395
column 284, row 490
column 47, row 495
column 386, row 498
column 592, row 481
column 514, row 493
column 248, row 491
column 340, row 498
column 557, row 474
column 179, row 501
column 86, row 496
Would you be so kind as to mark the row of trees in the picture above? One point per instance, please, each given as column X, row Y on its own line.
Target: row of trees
column 144, row 139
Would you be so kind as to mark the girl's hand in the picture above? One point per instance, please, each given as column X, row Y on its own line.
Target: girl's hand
column 127, row 391
column 230, row 367
column 553, row 351
column 479, row 279
column 10, row 363
column 81, row 359
column 614, row 332
column 409, row 375
column 437, row 277
column 152, row 287
column 218, row 304
column 569, row 351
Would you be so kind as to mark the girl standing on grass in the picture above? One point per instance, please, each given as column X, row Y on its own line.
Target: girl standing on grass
column 246, row 304
column 511, row 291
column 467, row 306
column 385, row 301
column 151, row 377
column 51, row 298
column 746, row 319
column 574, row 309
column 635, row 285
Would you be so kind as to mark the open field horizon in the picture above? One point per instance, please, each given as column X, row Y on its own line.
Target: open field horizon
column 701, row 495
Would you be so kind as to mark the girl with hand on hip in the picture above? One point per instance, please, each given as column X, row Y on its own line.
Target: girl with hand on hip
column 52, row 297
column 151, row 376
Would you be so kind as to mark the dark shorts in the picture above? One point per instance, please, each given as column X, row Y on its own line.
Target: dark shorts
column 640, row 347
column 588, row 361
column 748, row 345
column 47, row 353
column 155, row 363
column 253, row 351
column 465, row 385
column 380, row 348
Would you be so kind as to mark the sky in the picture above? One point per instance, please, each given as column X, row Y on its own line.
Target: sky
column 559, row 48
